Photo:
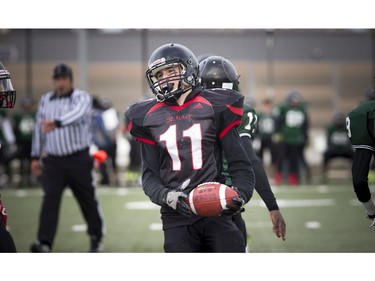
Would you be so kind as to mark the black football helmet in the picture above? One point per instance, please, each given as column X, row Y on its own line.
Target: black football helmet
column 218, row 72
column 7, row 92
column 174, row 56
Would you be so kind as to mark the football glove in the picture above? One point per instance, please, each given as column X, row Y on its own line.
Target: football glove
column 237, row 207
column 3, row 213
column 176, row 200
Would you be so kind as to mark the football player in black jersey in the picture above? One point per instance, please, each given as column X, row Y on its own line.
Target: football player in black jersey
column 219, row 72
column 7, row 100
column 183, row 131
column 360, row 123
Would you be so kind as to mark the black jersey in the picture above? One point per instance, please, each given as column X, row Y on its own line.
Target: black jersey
column 187, row 142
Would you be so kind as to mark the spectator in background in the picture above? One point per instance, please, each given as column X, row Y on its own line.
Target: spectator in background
column 105, row 124
column 292, row 124
column 24, row 122
column 338, row 143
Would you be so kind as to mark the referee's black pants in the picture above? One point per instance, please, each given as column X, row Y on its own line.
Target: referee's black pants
column 74, row 171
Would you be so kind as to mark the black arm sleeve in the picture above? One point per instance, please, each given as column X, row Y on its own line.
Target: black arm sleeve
column 262, row 185
column 360, row 170
column 239, row 167
column 151, row 182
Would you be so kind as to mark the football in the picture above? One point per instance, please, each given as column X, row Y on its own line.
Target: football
column 210, row 198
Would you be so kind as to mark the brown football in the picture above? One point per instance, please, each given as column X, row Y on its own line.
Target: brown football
column 210, row 198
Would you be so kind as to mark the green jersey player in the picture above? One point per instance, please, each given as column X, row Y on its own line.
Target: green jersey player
column 265, row 130
column 218, row 72
column 247, row 128
column 292, row 124
column 360, row 125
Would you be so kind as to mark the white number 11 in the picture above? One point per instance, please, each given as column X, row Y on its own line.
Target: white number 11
column 195, row 135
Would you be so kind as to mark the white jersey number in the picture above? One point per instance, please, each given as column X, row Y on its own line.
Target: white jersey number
column 195, row 135
column 348, row 127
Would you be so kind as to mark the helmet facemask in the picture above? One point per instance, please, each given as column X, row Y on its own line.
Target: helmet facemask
column 7, row 92
column 172, row 86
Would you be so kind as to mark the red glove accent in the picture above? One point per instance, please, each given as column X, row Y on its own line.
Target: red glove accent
column 3, row 213
column 100, row 156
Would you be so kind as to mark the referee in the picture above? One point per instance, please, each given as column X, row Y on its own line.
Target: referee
column 60, row 155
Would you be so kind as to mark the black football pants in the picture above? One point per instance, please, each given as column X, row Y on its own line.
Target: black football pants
column 208, row 235
column 74, row 171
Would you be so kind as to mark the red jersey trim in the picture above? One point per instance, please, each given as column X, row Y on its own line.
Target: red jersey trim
column 155, row 107
column 130, row 126
column 145, row 140
column 230, row 126
column 235, row 110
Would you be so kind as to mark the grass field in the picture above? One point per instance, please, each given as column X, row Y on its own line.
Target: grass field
column 320, row 219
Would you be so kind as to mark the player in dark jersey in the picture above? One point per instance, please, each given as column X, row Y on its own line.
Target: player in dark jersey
column 7, row 100
column 218, row 72
column 360, row 125
column 183, row 131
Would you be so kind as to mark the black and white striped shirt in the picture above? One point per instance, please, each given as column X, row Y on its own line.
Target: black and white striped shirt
column 73, row 113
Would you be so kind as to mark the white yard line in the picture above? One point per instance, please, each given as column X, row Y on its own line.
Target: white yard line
column 284, row 203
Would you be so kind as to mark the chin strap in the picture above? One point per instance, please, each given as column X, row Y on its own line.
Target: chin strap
column 172, row 97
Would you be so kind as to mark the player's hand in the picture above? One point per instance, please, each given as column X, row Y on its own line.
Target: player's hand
column 235, row 208
column 176, row 200
column 279, row 226
column 3, row 213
